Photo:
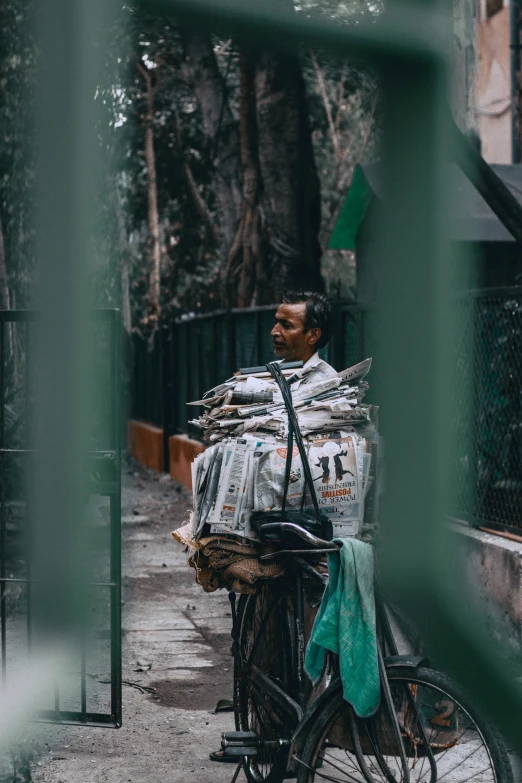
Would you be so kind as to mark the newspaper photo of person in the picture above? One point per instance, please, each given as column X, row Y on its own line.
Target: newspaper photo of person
column 333, row 462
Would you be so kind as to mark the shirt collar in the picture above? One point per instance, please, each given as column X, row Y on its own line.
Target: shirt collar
column 312, row 361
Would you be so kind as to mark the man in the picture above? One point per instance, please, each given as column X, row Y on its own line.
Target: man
column 304, row 322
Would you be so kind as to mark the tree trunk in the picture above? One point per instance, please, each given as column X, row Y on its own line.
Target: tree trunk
column 270, row 228
column 152, row 198
column 199, row 204
column 124, row 254
column 201, row 71
column 244, row 272
column 291, row 187
column 126, row 315
column 277, row 245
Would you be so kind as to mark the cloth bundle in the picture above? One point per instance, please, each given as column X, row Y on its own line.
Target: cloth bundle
column 222, row 562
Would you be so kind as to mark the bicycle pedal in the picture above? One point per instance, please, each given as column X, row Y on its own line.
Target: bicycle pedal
column 239, row 751
column 247, row 738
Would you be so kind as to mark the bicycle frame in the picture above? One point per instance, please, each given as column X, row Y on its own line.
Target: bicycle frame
column 294, row 704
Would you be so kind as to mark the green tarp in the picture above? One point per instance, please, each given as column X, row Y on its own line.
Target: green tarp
column 352, row 213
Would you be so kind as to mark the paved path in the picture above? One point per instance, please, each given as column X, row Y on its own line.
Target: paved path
column 184, row 633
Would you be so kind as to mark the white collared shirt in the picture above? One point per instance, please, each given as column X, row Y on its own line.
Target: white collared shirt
column 315, row 369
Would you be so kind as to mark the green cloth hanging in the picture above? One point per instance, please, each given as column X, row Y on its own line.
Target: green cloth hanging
column 345, row 624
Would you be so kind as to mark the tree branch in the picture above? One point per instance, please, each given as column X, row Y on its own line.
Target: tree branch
column 339, row 181
column 152, row 198
column 327, row 107
column 199, row 204
column 340, row 100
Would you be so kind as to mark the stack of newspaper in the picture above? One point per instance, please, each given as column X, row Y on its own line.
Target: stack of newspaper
column 244, row 471
column 253, row 403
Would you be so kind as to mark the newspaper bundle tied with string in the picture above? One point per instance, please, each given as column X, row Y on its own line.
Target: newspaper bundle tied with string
column 243, row 472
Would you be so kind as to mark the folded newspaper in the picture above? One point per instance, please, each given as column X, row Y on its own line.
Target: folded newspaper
column 243, row 471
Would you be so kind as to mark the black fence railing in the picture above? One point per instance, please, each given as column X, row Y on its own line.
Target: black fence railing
column 193, row 354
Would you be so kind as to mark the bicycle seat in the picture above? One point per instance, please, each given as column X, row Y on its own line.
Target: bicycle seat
column 268, row 525
column 293, row 535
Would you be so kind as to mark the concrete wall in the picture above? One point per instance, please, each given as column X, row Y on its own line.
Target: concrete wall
column 182, row 452
column 146, row 444
column 491, row 570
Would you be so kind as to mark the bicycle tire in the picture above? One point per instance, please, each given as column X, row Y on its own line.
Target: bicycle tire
column 263, row 615
column 443, row 705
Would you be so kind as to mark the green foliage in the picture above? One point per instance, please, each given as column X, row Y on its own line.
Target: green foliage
column 190, row 262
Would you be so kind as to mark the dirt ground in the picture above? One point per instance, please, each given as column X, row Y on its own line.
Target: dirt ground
column 183, row 632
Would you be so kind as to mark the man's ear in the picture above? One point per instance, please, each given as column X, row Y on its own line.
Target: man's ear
column 314, row 335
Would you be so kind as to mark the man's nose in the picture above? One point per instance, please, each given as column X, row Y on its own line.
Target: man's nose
column 275, row 330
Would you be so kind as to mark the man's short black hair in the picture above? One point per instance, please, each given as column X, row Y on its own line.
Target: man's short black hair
column 319, row 312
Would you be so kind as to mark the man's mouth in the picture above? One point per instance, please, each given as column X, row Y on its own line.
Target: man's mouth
column 278, row 344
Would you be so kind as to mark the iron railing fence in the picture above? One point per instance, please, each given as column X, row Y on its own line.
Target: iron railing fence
column 90, row 692
column 193, row 354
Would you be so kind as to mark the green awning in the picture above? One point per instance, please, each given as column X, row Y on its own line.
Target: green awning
column 352, row 213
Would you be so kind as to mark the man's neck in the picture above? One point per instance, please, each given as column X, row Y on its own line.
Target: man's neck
column 308, row 357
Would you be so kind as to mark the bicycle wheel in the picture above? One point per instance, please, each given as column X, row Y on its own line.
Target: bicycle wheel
column 444, row 737
column 264, row 656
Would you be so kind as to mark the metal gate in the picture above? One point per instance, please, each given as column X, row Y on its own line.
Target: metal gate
column 92, row 690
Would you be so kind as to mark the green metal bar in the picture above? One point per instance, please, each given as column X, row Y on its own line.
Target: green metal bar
column 405, row 31
column 3, row 538
column 414, row 328
column 10, row 316
column 29, row 510
column 167, row 386
column 115, row 532
column 83, row 682
column 71, row 39
column 20, row 580
column 72, row 718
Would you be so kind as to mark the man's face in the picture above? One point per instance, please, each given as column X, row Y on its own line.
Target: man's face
column 291, row 342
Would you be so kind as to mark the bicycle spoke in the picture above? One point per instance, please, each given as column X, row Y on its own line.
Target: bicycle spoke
column 440, row 756
column 317, row 772
column 348, row 775
column 459, row 764
column 474, row 774
column 262, row 628
column 461, row 744
column 351, row 761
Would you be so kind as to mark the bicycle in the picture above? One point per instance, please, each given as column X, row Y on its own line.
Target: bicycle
column 426, row 729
